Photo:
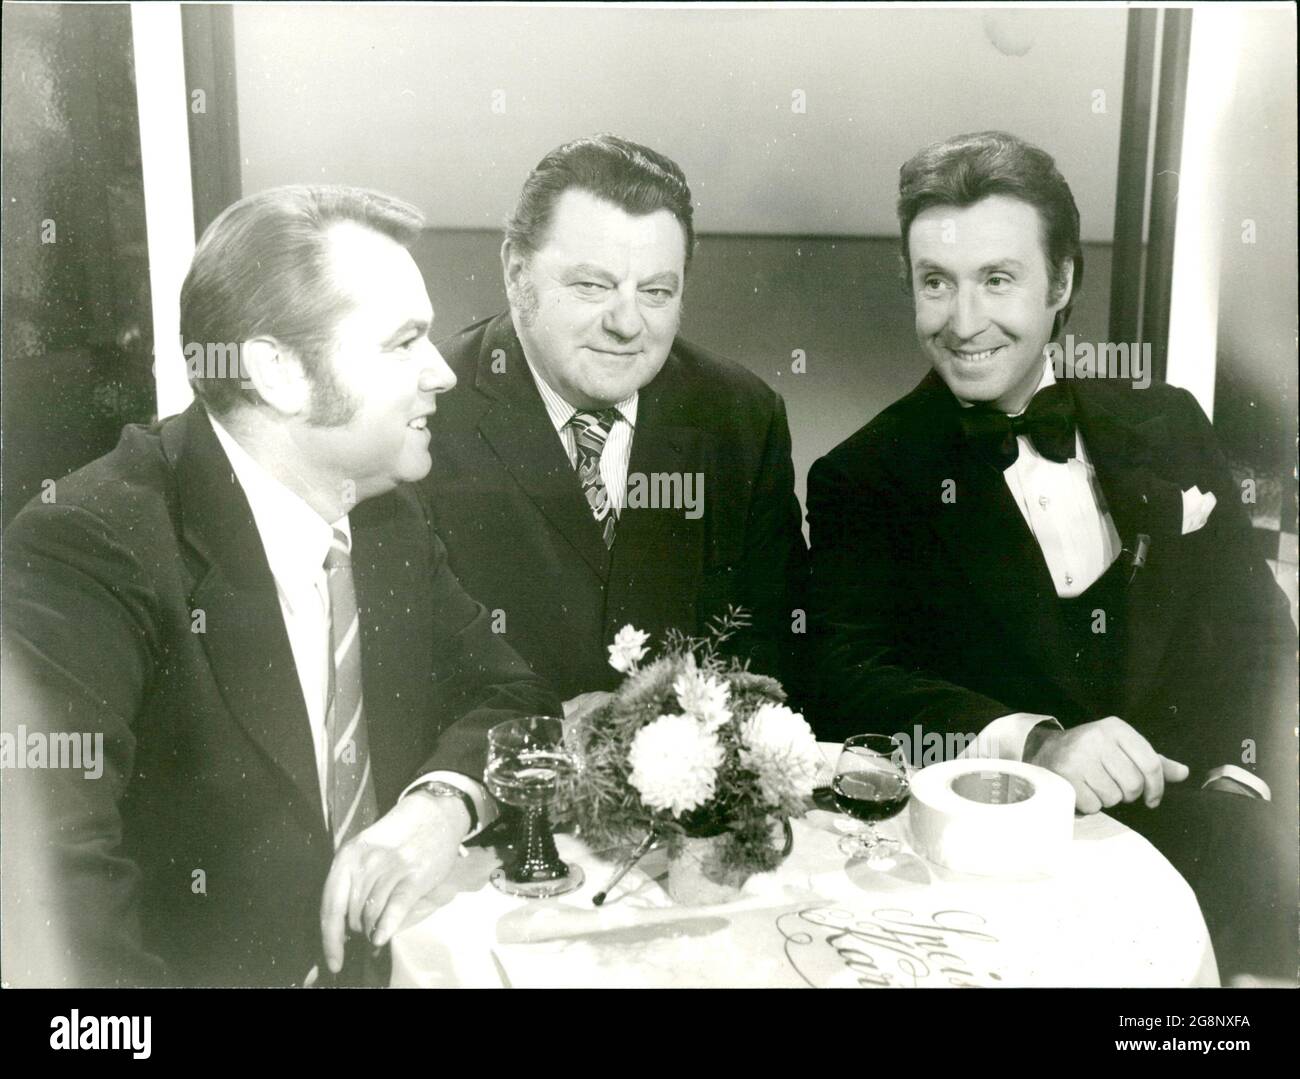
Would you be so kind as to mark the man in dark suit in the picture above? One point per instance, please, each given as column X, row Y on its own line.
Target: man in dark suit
column 594, row 469
column 245, row 610
column 1056, row 566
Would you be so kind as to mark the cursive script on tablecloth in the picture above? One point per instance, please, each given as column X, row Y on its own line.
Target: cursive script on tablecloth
column 888, row 947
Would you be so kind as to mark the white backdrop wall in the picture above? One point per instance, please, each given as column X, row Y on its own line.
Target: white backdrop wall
column 450, row 107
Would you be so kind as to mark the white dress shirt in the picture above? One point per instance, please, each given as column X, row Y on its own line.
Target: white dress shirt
column 1065, row 509
column 296, row 540
column 618, row 445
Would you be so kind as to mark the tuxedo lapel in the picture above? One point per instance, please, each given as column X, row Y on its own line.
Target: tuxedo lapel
column 243, row 628
column 1142, row 503
column 987, row 536
column 519, row 430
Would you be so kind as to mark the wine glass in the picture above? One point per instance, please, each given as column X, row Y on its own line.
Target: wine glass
column 871, row 785
column 527, row 762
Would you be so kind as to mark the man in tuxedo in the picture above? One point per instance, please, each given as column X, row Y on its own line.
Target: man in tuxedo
column 1059, row 567
column 594, row 468
column 245, row 608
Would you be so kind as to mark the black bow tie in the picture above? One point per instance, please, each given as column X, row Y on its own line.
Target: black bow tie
column 1048, row 422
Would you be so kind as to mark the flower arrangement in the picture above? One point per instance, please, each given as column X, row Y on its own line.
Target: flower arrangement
column 693, row 744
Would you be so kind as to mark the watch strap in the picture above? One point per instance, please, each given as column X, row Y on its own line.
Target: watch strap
column 440, row 788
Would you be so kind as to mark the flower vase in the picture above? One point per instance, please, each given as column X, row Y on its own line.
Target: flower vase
column 696, row 876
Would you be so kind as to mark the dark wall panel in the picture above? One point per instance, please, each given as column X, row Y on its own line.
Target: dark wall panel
column 77, row 335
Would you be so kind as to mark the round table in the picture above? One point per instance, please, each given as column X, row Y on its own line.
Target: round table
column 1115, row 914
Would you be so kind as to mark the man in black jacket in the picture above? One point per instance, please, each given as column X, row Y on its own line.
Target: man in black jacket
column 243, row 620
column 594, row 469
column 1057, row 568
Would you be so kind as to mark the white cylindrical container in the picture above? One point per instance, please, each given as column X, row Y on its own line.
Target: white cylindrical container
column 992, row 817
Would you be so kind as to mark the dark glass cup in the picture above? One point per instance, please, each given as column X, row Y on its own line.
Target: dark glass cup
column 870, row 785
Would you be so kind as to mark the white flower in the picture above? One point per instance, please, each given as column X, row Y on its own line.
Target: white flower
column 674, row 763
column 628, row 648
column 701, row 696
column 781, row 747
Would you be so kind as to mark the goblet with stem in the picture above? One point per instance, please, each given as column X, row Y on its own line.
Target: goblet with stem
column 528, row 760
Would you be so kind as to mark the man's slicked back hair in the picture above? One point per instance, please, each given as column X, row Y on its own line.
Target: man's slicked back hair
column 632, row 177
column 962, row 170
column 262, row 269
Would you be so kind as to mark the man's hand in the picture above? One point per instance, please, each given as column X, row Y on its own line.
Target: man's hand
column 386, row 874
column 1107, row 762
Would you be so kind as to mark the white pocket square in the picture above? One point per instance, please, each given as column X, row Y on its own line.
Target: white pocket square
column 1197, row 507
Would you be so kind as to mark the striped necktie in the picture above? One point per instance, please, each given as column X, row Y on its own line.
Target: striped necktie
column 352, row 802
column 591, row 430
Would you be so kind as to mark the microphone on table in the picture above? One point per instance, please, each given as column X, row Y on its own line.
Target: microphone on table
column 628, row 863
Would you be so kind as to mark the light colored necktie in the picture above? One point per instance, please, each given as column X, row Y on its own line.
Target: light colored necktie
column 352, row 802
column 592, row 429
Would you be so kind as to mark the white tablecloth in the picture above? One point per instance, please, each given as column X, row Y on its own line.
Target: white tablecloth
column 1116, row 914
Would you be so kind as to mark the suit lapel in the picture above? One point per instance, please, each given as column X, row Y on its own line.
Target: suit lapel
column 244, row 635
column 396, row 641
column 1142, row 503
column 517, row 427
column 661, row 541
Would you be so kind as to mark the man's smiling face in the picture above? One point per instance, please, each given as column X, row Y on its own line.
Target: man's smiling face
column 598, row 304
column 985, row 301
column 386, row 372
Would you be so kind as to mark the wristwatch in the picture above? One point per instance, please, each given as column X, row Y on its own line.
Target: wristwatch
column 440, row 788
